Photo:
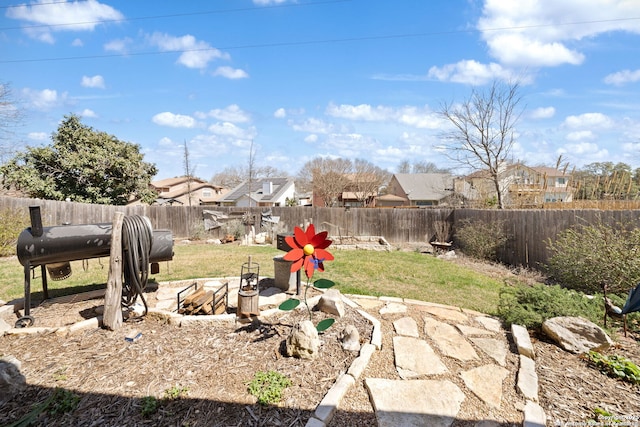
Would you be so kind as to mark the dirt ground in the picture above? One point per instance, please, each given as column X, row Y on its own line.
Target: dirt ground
column 198, row 376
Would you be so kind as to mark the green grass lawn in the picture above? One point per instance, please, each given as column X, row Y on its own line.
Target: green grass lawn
column 398, row 274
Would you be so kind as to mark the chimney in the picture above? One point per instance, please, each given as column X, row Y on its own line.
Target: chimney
column 267, row 188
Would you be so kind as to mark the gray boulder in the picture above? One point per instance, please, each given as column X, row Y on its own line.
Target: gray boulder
column 350, row 338
column 303, row 341
column 576, row 335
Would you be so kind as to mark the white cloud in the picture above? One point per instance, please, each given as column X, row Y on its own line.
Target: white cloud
column 543, row 113
column 588, row 120
column 311, row 139
column 422, row 118
column 118, row 45
column 583, row 148
column 193, row 53
column 544, row 32
column 622, row 77
column 62, row 16
column 95, row 81
column 473, row 72
column 580, row 135
column 232, row 113
column 280, row 113
column 38, row 136
column 88, row 113
column 77, row 43
column 230, row 130
column 312, row 125
column 44, row 99
column 174, row 120
column 230, row 73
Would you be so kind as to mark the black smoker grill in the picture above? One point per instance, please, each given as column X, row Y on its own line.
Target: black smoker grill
column 54, row 247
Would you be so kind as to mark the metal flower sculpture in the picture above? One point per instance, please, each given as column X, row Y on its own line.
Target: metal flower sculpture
column 308, row 252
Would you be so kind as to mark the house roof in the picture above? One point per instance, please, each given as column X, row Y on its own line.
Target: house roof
column 170, row 182
column 391, row 198
column 425, row 186
column 280, row 185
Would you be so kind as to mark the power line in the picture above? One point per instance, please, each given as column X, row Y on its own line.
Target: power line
column 172, row 15
column 39, row 4
column 312, row 42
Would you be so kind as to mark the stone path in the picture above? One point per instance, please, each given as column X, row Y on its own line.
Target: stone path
column 422, row 343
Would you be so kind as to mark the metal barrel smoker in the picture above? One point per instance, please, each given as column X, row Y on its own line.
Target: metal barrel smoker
column 53, row 248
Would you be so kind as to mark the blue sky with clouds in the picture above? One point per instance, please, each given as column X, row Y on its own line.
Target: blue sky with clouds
column 307, row 78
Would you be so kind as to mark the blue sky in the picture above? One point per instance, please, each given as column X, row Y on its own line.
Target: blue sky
column 307, row 78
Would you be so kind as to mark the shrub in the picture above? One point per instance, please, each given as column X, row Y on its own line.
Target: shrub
column 586, row 256
column 12, row 222
column 530, row 306
column 481, row 239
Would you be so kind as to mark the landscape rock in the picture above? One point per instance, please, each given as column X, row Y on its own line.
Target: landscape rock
column 331, row 303
column 576, row 335
column 303, row 341
column 11, row 379
column 350, row 338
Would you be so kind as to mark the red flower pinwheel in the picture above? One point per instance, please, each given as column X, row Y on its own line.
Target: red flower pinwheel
column 308, row 250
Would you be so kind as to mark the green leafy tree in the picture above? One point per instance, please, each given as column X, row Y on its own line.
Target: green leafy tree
column 83, row 165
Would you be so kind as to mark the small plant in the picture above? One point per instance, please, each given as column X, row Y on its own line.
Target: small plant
column 480, row 239
column 308, row 252
column 175, row 392
column 150, row 406
column 63, row 401
column 615, row 366
column 268, row 387
column 60, row 374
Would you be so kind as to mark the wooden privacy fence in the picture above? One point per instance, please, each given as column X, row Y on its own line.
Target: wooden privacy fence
column 528, row 230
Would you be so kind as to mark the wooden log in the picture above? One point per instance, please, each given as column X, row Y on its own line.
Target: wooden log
column 112, row 318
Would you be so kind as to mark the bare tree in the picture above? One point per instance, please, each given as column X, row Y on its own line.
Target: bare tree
column 420, row 166
column 10, row 116
column 188, row 170
column 328, row 178
column 366, row 181
column 483, row 130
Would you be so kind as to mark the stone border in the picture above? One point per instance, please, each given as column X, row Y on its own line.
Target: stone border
column 534, row 415
column 527, row 379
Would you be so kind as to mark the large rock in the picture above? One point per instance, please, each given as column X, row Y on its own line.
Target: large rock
column 576, row 334
column 331, row 303
column 303, row 341
column 11, row 379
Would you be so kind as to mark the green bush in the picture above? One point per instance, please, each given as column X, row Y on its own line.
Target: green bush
column 481, row 239
column 530, row 306
column 12, row 222
column 586, row 256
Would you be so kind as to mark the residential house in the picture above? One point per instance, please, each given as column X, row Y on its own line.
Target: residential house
column 262, row 192
column 349, row 190
column 418, row 189
column 187, row 191
column 520, row 185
